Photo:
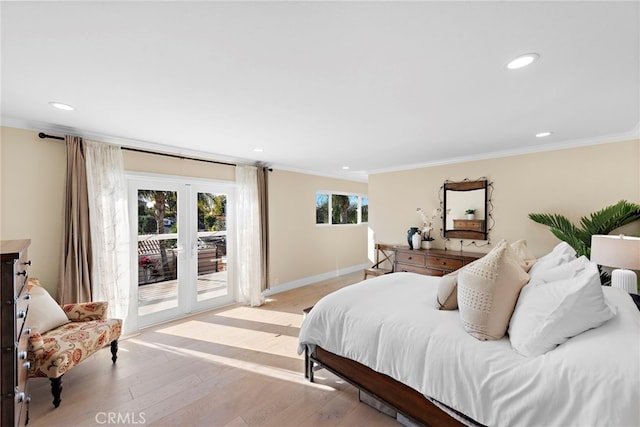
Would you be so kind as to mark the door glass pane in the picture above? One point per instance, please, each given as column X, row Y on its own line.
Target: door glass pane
column 212, row 246
column 157, row 251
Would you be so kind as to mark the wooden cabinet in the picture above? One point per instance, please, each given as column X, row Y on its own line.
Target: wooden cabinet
column 432, row 262
column 13, row 354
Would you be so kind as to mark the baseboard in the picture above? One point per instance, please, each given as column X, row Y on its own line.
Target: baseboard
column 313, row 279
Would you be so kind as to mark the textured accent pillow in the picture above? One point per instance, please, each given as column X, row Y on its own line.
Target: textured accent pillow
column 522, row 250
column 44, row 312
column 488, row 290
column 448, row 291
column 549, row 314
column 560, row 254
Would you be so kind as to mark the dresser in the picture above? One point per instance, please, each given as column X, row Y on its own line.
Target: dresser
column 13, row 355
column 432, row 262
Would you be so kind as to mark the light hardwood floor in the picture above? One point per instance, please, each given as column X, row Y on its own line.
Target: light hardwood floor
column 235, row 366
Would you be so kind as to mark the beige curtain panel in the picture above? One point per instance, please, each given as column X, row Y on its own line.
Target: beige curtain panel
column 74, row 284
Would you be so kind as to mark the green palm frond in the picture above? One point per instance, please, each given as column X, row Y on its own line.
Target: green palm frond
column 603, row 221
column 608, row 219
column 564, row 230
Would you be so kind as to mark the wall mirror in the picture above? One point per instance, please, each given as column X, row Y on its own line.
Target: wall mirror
column 465, row 210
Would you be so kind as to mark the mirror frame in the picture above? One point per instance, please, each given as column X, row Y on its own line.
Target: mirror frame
column 465, row 186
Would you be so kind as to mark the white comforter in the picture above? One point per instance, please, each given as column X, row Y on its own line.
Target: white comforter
column 391, row 324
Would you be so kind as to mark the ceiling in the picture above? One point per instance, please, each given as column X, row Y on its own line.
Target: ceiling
column 375, row 86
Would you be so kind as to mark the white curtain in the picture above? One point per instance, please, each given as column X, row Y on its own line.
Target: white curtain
column 248, row 258
column 107, row 189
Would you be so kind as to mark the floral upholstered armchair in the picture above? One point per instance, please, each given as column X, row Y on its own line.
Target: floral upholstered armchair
column 62, row 337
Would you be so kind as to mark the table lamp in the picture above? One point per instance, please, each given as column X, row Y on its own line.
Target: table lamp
column 621, row 252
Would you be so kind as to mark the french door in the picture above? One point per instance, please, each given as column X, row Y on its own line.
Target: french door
column 181, row 247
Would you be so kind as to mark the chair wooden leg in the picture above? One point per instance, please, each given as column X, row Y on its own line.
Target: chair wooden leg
column 56, row 390
column 114, row 350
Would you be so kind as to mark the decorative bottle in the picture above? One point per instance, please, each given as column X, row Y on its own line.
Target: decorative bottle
column 413, row 238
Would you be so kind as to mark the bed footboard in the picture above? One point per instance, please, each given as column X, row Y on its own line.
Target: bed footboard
column 400, row 397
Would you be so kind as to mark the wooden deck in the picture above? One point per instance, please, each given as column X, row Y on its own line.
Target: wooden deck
column 158, row 296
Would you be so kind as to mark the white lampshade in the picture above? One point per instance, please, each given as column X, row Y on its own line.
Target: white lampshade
column 616, row 251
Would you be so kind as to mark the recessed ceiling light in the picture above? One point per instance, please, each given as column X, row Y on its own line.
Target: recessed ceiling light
column 543, row 134
column 258, row 150
column 61, row 106
column 522, row 61
column 346, row 168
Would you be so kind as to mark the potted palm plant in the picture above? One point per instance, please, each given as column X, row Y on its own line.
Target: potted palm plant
column 601, row 222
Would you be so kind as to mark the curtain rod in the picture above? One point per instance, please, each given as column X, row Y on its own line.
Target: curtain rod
column 43, row 135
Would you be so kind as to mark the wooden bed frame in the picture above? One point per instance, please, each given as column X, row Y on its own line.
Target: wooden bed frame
column 398, row 396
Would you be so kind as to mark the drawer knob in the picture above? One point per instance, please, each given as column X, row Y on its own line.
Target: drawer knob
column 27, row 365
column 27, row 296
column 27, row 331
column 22, row 273
column 21, row 314
column 410, row 257
column 22, row 355
column 20, row 396
column 27, row 263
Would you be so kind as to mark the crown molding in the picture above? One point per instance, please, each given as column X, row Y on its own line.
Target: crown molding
column 562, row 145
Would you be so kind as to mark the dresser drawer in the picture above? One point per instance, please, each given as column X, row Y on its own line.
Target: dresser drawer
column 22, row 273
column 444, row 263
column 414, row 258
column 420, row 270
column 22, row 362
column 21, row 407
column 22, row 310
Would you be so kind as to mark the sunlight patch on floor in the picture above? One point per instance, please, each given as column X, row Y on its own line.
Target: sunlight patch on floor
column 257, row 315
column 228, row 335
column 255, row 368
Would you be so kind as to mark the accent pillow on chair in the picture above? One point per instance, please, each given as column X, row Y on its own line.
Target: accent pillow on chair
column 44, row 312
column 488, row 290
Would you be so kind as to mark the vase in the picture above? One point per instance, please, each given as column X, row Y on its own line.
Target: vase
column 426, row 244
column 416, row 239
column 413, row 231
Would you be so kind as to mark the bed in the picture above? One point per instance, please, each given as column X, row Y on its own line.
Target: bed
column 388, row 338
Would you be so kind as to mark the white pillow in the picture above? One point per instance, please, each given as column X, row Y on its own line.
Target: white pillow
column 566, row 270
column 549, row 314
column 560, row 254
column 44, row 312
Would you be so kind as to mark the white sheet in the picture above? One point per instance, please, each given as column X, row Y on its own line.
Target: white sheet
column 391, row 324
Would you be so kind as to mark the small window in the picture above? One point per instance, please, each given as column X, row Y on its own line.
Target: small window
column 322, row 209
column 344, row 208
column 364, row 209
